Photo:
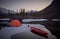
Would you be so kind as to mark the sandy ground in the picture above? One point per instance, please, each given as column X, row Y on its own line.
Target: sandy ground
column 23, row 32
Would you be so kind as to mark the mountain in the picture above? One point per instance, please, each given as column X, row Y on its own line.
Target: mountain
column 5, row 11
column 52, row 11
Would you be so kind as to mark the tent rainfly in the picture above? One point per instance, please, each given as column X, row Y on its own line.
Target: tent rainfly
column 15, row 23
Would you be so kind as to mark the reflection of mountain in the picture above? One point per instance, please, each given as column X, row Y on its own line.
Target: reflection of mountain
column 5, row 11
column 52, row 11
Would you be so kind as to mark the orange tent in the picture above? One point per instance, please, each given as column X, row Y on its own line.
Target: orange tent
column 15, row 23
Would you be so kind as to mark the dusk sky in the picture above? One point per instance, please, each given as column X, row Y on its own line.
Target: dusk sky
column 25, row 4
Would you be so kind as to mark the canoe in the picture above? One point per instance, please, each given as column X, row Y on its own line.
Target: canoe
column 38, row 31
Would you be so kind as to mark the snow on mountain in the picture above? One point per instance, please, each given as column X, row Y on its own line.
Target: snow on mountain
column 6, row 11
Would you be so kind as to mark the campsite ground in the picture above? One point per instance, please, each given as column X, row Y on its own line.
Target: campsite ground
column 53, row 26
column 23, row 32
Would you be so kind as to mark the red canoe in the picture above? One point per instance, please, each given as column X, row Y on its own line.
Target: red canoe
column 38, row 31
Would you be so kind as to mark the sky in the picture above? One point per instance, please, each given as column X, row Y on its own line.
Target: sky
column 25, row 4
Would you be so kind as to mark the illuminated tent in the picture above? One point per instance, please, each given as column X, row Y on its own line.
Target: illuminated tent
column 15, row 23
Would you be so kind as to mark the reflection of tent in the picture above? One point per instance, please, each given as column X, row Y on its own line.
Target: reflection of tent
column 15, row 23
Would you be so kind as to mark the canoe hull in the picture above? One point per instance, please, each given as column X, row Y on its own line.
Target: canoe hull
column 38, row 31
